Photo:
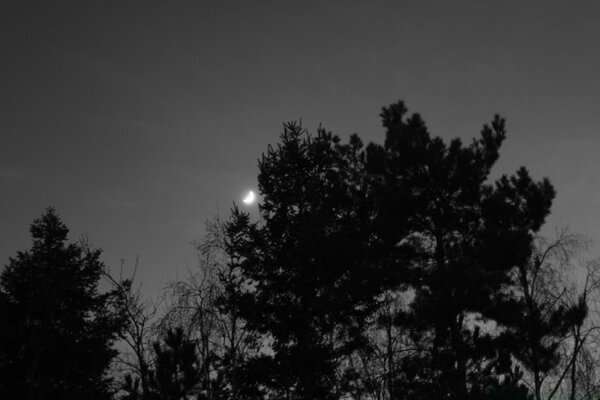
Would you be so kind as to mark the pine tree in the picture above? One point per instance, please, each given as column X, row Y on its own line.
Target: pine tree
column 312, row 286
column 176, row 367
column 234, row 239
column 58, row 329
column 340, row 225
column 469, row 238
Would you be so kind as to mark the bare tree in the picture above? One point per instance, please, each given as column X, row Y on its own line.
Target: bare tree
column 136, row 361
column 376, row 368
column 581, row 357
column 205, row 305
column 559, row 290
column 191, row 305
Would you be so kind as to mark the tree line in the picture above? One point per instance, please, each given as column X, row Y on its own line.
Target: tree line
column 387, row 271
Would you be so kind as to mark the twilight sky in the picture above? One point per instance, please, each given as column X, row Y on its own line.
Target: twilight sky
column 139, row 120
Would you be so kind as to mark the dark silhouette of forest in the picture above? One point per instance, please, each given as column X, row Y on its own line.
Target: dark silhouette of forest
column 386, row 271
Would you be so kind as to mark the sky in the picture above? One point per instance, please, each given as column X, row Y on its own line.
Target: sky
column 140, row 120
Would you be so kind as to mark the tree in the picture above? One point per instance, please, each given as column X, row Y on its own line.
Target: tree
column 140, row 314
column 557, row 333
column 205, row 305
column 308, row 264
column 237, row 343
column 60, row 328
column 342, row 225
column 547, row 316
column 176, row 367
column 468, row 237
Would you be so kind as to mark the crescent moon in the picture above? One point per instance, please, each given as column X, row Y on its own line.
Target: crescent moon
column 249, row 199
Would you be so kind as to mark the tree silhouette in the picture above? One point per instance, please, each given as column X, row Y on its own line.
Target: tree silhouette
column 205, row 305
column 238, row 343
column 395, row 271
column 307, row 264
column 555, row 328
column 138, row 333
column 416, row 218
column 468, row 239
column 176, row 366
column 58, row 329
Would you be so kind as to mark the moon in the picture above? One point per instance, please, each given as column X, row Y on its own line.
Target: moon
column 250, row 197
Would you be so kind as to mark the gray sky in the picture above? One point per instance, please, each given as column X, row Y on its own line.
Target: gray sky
column 140, row 120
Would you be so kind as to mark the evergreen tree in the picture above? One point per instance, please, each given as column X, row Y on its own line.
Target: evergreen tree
column 312, row 284
column 176, row 367
column 234, row 239
column 176, row 371
column 417, row 218
column 58, row 329
column 469, row 238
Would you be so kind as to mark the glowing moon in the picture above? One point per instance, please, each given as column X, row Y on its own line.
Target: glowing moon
column 250, row 197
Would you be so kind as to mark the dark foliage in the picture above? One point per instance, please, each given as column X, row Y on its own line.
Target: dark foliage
column 341, row 224
column 176, row 370
column 58, row 330
column 394, row 271
column 308, row 266
column 176, row 373
column 468, row 238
